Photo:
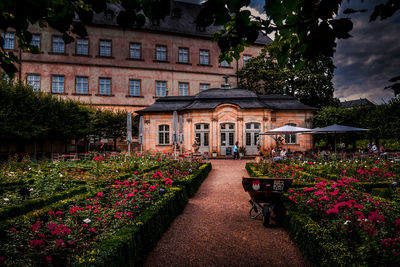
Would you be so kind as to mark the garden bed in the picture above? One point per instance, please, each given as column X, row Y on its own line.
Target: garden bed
column 112, row 220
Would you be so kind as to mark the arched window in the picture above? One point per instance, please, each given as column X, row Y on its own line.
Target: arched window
column 163, row 134
column 291, row 138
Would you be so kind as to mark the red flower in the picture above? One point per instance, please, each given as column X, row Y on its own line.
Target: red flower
column 49, row 258
column 92, row 230
column 60, row 242
column 36, row 243
column 333, row 210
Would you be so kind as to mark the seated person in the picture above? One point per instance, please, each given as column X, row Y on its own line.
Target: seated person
column 283, row 153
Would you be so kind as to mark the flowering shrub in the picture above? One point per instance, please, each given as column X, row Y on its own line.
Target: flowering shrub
column 369, row 227
column 125, row 191
column 61, row 234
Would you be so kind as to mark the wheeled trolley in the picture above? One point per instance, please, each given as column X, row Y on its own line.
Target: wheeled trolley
column 265, row 197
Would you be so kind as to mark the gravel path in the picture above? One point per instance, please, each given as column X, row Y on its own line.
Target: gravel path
column 215, row 229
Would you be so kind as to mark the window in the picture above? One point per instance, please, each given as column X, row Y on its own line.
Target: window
column 161, row 88
column 134, row 87
column 105, row 49
column 163, row 134
column 161, row 53
column 204, row 86
column 35, row 40
column 33, row 80
column 82, row 47
column 82, row 85
column 290, row 138
column 105, row 86
column 248, row 139
column 183, row 55
column 58, row 45
column 183, row 89
column 225, row 64
column 135, row 51
column 204, row 57
column 245, row 59
column 57, row 84
column 8, row 40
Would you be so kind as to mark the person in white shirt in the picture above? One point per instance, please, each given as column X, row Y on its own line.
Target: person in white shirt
column 283, row 153
column 374, row 148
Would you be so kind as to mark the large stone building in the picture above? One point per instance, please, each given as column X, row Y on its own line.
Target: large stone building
column 129, row 69
column 220, row 117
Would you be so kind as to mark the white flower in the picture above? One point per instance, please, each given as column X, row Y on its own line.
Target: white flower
column 9, row 174
column 346, row 222
column 30, row 190
column 61, row 175
column 87, row 220
column 6, row 199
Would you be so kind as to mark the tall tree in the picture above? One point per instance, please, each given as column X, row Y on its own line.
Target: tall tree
column 312, row 84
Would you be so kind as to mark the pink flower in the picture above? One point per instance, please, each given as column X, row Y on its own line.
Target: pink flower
column 333, row 210
column 59, row 212
column 49, row 258
column 60, row 242
column 92, row 230
column 308, row 189
column 343, row 171
column 324, row 198
column 51, row 226
column 36, row 243
column 397, row 222
column 100, row 194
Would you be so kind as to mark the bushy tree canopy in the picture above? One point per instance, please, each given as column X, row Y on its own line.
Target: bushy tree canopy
column 28, row 115
column 311, row 84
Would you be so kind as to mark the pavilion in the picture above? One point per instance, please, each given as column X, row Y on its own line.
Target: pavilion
column 219, row 117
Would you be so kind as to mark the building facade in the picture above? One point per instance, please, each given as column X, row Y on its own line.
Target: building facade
column 113, row 68
column 218, row 118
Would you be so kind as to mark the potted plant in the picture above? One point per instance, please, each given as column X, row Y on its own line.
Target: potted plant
column 214, row 154
column 242, row 151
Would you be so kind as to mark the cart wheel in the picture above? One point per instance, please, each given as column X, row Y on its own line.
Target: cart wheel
column 266, row 215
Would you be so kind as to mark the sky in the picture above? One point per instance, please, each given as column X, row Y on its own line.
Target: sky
column 366, row 61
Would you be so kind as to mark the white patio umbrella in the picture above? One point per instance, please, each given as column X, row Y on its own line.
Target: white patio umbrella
column 174, row 130
column 141, row 130
column 335, row 129
column 129, row 131
column 181, row 138
column 286, row 129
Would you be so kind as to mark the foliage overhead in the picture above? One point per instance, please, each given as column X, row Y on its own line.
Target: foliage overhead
column 312, row 84
column 69, row 17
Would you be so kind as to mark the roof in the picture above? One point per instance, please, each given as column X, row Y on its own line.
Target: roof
column 356, row 103
column 180, row 21
column 212, row 98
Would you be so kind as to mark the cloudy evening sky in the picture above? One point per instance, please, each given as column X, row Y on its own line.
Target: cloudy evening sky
column 365, row 62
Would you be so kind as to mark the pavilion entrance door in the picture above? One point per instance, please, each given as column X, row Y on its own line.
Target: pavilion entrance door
column 252, row 132
column 227, row 140
column 202, row 133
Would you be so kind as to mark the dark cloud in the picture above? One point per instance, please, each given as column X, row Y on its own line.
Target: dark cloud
column 366, row 62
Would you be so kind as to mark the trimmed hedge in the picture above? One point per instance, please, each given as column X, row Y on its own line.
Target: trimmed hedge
column 192, row 182
column 129, row 246
column 316, row 242
column 37, row 203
